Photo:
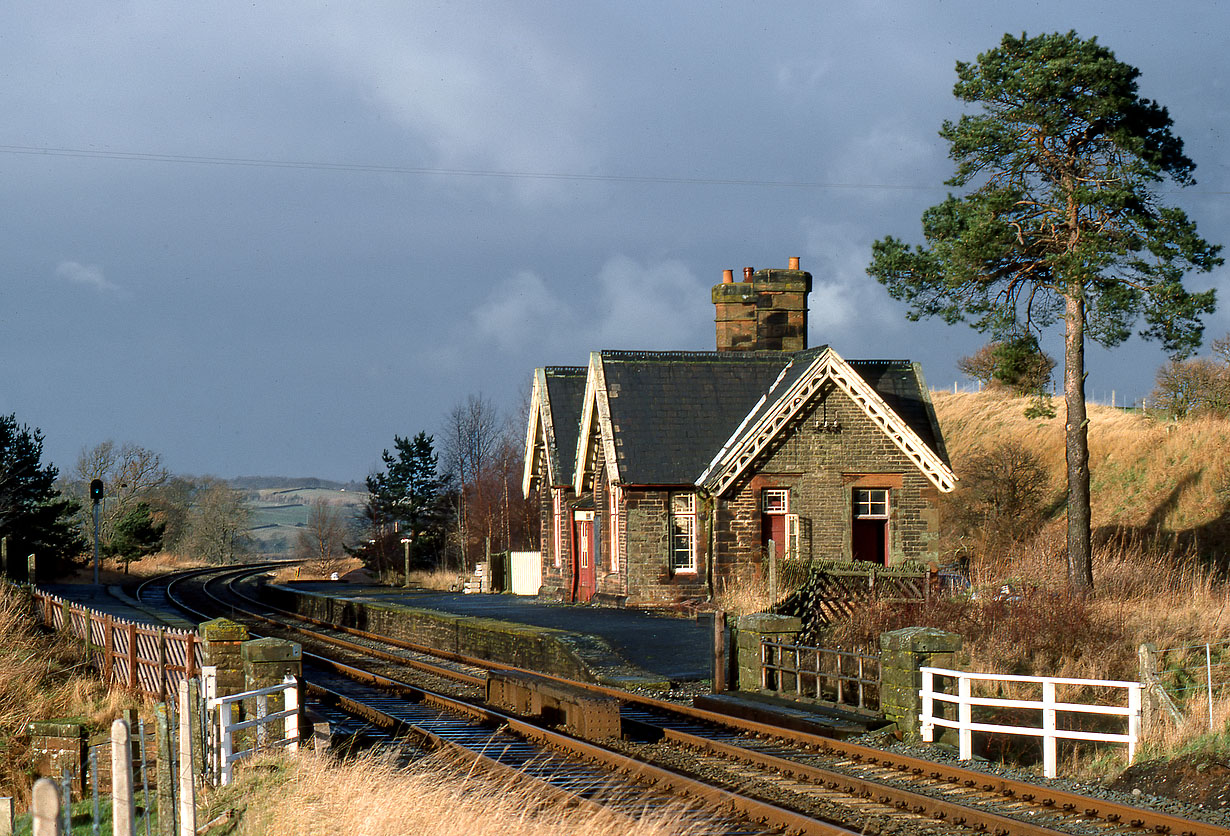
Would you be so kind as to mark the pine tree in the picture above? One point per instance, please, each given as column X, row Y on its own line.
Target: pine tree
column 1062, row 220
column 407, row 499
column 135, row 535
column 33, row 515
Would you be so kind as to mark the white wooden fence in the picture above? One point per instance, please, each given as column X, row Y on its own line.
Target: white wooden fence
column 1049, row 706
column 223, row 728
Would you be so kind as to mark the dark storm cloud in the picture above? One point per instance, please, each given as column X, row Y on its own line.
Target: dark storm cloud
column 454, row 193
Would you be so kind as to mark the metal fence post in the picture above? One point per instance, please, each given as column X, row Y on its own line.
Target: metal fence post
column 144, row 778
column 94, row 788
column 164, row 782
column 66, row 799
column 1208, row 669
column 123, row 810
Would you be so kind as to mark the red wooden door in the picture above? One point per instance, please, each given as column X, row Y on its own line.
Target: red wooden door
column 869, row 528
column 773, row 527
column 584, row 572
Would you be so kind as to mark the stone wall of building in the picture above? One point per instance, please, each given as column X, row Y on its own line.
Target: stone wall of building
column 821, row 468
column 648, row 530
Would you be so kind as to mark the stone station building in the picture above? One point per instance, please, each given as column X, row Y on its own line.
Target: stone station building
column 662, row 475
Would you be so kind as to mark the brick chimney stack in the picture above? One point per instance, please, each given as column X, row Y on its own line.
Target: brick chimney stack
column 767, row 311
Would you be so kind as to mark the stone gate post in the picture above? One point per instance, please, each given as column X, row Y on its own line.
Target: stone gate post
column 903, row 653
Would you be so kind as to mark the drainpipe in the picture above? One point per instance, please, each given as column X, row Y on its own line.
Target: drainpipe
column 710, row 560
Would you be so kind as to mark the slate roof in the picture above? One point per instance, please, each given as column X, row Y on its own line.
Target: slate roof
column 565, row 396
column 672, row 410
column 900, row 384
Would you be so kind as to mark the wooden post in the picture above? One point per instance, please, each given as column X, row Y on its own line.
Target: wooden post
column 190, row 670
column 108, row 647
column 133, row 681
column 293, row 703
column 6, row 816
column 162, row 664
column 4, row 560
column 45, row 808
column 187, row 764
column 719, row 651
column 123, row 807
column 31, row 569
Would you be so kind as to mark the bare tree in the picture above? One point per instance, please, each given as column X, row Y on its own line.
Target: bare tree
column 217, row 524
column 471, row 440
column 130, row 473
column 323, row 540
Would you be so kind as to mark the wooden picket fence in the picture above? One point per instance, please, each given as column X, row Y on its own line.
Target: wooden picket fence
column 833, row 589
column 150, row 659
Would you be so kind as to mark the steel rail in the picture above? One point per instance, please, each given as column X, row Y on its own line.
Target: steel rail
column 903, row 799
column 637, row 771
column 1042, row 795
column 640, row 771
column 909, row 767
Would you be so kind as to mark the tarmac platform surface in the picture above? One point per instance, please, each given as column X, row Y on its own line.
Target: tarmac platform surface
column 678, row 649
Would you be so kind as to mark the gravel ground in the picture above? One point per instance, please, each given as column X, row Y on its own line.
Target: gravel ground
column 1192, row 788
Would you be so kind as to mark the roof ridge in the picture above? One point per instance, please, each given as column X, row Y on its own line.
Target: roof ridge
column 716, row 356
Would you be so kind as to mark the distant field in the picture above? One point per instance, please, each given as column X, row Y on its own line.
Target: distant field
column 279, row 514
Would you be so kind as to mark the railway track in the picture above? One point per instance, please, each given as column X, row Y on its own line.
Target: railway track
column 784, row 780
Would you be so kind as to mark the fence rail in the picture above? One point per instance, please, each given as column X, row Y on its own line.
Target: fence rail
column 1192, row 670
column 224, row 727
column 1048, row 705
column 149, row 659
column 843, row 677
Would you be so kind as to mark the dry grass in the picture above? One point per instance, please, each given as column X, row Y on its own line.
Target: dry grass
column 1151, row 479
column 41, row 678
column 370, row 796
column 321, row 570
column 112, row 571
column 750, row 592
column 444, row 580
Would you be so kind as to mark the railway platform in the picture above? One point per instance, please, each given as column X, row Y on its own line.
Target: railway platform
column 115, row 601
column 673, row 649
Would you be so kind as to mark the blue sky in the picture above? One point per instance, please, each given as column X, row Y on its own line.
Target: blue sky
column 264, row 238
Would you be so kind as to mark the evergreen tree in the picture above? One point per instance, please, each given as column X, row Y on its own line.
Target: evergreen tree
column 407, row 499
column 1062, row 220
column 135, row 535
column 34, row 517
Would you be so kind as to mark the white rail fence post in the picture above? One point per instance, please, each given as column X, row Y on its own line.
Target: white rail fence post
column 219, row 708
column 1049, row 706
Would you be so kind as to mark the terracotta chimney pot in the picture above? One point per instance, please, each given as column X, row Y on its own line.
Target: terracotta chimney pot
column 747, row 274
column 794, row 263
column 728, row 276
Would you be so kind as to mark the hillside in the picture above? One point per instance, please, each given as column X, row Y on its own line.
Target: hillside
column 279, row 513
column 1154, row 481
